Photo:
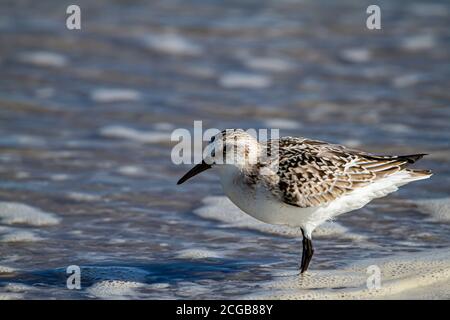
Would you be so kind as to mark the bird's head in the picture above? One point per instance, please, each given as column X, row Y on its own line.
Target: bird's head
column 230, row 147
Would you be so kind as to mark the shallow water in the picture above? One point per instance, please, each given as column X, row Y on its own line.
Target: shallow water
column 85, row 119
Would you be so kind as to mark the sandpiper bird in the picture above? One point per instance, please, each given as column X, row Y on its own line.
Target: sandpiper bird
column 301, row 182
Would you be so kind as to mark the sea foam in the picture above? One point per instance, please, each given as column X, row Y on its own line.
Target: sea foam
column 268, row 64
column 131, row 171
column 5, row 269
column 280, row 123
column 356, row 55
column 118, row 131
column 244, row 80
column 115, row 289
column 115, row 95
column 15, row 235
column 114, row 282
column 419, row 42
column 18, row 213
column 172, row 43
column 43, row 59
column 82, row 196
column 197, row 254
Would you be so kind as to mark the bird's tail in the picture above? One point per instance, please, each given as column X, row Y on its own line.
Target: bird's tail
column 412, row 157
column 417, row 174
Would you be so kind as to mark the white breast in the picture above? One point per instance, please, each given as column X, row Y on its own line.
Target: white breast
column 259, row 202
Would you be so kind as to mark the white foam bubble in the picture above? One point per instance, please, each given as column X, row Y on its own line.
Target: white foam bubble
column 15, row 235
column 160, row 285
column 106, row 95
column 197, row 254
column 22, row 175
column 244, row 80
column 10, row 296
column 419, row 42
column 81, row 196
column 164, row 126
column 188, row 289
column 268, row 64
column 117, row 131
column 19, row 213
column 114, row 282
column 115, row 289
column 280, row 123
column 220, row 208
column 27, row 140
column 172, row 43
column 439, row 209
column 117, row 241
column 401, row 276
column 357, row 55
column 5, row 269
column 17, row 287
column 132, row 171
column 43, row 59
column 59, row 177
column 352, row 143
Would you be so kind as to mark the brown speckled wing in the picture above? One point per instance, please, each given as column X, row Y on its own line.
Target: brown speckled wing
column 313, row 173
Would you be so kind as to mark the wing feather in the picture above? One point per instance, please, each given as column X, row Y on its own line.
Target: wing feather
column 313, row 173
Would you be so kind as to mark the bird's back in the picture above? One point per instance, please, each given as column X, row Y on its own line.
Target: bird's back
column 314, row 173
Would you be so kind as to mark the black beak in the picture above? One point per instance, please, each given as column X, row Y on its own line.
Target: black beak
column 194, row 171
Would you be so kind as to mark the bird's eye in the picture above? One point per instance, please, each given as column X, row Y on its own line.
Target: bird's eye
column 212, row 139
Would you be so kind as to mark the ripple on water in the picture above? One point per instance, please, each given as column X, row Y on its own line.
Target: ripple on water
column 419, row 42
column 439, row 209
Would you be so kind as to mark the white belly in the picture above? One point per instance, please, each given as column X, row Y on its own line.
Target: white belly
column 259, row 203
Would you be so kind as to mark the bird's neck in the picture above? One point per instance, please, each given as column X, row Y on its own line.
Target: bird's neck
column 230, row 172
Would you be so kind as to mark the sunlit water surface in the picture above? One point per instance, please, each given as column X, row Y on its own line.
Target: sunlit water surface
column 86, row 176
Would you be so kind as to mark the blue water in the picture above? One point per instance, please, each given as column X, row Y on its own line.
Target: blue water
column 122, row 216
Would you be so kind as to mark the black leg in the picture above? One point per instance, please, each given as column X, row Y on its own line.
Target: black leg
column 307, row 253
column 302, row 262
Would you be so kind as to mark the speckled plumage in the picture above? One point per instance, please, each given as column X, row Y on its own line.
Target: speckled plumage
column 313, row 173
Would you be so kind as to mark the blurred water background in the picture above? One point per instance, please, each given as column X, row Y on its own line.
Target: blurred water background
column 86, row 115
